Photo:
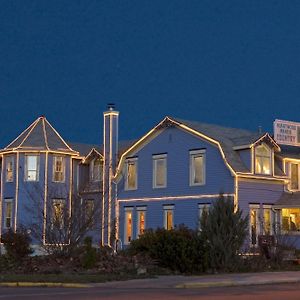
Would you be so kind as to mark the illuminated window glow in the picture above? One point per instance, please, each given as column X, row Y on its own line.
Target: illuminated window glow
column 294, row 176
column 96, row 168
column 128, row 226
column 141, row 220
column 263, row 157
column 202, row 208
column 58, row 213
column 169, row 217
column 291, row 219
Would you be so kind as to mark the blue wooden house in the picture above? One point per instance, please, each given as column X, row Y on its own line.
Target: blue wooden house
column 167, row 177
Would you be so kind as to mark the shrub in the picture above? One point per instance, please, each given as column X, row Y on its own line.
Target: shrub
column 222, row 235
column 90, row 254
column 17, row 244
column 177, row 249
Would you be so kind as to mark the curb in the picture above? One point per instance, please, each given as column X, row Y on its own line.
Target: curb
column 43, row 284
column 229, row 283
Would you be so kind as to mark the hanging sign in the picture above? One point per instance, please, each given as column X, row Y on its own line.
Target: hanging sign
column 287, row 132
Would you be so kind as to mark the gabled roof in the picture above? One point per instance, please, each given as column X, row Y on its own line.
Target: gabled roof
column 39, row 136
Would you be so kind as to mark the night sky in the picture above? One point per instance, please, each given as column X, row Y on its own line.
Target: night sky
column 232, row 63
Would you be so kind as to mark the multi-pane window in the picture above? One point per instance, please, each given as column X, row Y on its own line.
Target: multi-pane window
column 141, row 220
column 89, row 213
column 202, row 209
column 294, row 175
column 9, row 168
column 254, row 224
column 58, row 213
column 32, row 167
column 128, row 225
column 197, row 167
column 160, row 171
column 131, row 174
column 169, row 217
column 59, row 169
column 96, row 170
column 291, row 219
column 263, row 159
column 8, row 207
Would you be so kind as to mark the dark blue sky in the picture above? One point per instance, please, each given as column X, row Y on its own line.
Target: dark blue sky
column 233, row 63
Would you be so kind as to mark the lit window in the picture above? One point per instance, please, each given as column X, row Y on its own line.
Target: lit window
column 128, row 226
column 291, row 219
column 268, row 220
column 159, row 171
column 9, row 168
column 89, row 213
column 197, row 167
column 58, row 213
column 202, row 208
column 294, row 175
column 131, row 174
column 58, row 169
column 141, row 220
column 32, row 168
column 8, row 213
column 169, row 217
column 263, row 156
column 254, row 224
column 96, row 170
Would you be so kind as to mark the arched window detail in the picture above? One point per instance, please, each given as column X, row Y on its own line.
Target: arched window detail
column 263, row 160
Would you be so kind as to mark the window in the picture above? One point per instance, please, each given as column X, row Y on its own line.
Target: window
column 294, row 175
column 197, row 167
column 160, row 171
column 291, row 219
column 131, row 174
column 202, row 208
column 128, row 226
column 58, row 169
column 32, row 167
column 58, row 213
column 89, row 213
column 9, row 168
column 96, row 170
column 254, row 224
column 169, row 217
column 8, row 213
column 268, row 220
column 263, row 156
column 141, row 220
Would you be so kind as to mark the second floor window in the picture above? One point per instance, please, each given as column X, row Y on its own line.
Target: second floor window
column 131, row 174
column 197, row 167
column 263, row 158
column 294, row 176
column 96, row 170
column 160, row 171
column 9, row 168
column 58, row 169
column 32, row 167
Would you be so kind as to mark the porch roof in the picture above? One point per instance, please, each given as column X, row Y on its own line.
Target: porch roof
column 288, row 200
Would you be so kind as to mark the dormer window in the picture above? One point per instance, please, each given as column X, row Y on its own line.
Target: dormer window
column 263, row 160
column 96, row 170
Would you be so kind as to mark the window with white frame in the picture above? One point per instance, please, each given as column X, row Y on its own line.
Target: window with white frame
column 131, row 173
column 8, row 211
column 159, row 171
column 197, row 167
column 59, row 168
column 263, row 160
column 96, row 169
column 58, row 213
column 128, row 226
column 203, row 208
column 141, row 220
column 32, row 167
column 268, row 220
column 9, row 168
column 254, row 229
column 294, row 176
column 168, row 217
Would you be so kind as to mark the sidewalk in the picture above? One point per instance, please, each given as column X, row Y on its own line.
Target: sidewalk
column 204, row 281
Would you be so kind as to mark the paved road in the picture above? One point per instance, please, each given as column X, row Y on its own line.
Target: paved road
column 265, row 292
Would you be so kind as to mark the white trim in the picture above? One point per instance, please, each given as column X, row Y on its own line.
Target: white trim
column 271, row 161
column 63, row 161
column 201, row 196
column 6, row 201
column 168, row 209
column 37, row 170
column 140, row 211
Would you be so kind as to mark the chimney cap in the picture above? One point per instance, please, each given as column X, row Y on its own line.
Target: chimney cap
column 111, row 106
